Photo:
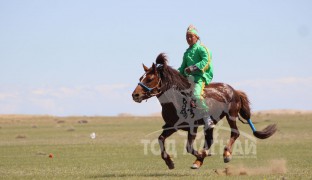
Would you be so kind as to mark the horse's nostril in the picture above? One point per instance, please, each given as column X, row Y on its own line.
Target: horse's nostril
column 135, row 95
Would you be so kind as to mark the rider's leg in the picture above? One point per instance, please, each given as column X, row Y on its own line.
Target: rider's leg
column 198, row 92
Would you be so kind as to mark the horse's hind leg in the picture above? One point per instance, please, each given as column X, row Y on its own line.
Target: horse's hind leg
column 209, row 139
column 227, row 155
column 164, row 155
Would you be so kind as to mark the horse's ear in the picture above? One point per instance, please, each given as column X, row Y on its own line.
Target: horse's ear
column 154, row 68
column 145, row 68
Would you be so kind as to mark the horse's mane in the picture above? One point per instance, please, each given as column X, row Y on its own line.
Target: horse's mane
column 171, row 78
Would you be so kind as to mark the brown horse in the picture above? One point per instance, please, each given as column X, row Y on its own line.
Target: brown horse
column 174, row 92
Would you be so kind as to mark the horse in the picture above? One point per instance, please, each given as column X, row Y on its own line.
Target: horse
column 174, row 92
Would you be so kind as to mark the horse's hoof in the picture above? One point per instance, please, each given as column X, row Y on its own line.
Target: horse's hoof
column 197, row 164
column 227, row 159
column 227, row 155
column 194, row 166
column 170, row 166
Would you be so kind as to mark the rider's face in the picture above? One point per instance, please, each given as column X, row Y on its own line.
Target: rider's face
column 191, row 39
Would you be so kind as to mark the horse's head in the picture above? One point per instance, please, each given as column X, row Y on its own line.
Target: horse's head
column 149, row 84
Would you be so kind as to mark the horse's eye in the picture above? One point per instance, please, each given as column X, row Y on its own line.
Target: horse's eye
column 148, row 80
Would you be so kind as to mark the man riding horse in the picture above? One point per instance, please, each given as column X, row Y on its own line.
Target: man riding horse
column 197, row 66
column 211, row 101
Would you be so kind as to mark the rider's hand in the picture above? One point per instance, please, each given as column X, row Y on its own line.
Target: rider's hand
column 188, row 70
column 191, row 69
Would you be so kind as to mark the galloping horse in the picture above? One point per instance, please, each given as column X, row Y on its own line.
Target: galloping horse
column 174, row 92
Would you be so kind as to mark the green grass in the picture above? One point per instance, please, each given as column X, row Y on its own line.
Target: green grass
column 118, row 152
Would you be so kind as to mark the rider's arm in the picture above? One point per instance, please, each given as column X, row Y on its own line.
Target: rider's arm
column 203, row 65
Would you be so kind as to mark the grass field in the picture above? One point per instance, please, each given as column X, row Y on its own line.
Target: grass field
column 127, row 148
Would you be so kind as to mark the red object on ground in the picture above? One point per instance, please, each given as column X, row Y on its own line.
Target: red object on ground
column 50, row 155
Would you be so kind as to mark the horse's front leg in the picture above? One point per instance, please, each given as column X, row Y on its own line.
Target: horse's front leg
column 164, row 155
column 190, row 148
column 200, row 156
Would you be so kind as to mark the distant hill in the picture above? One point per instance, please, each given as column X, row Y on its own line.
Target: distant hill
column 284, row 111
column 274, row 111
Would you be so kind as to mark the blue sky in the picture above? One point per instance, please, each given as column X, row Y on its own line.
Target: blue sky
column 71, row 57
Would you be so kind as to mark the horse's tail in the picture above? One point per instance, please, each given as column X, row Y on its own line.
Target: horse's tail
column 245, row 113
column 245, row 108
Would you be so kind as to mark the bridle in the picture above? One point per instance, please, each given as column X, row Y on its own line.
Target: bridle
column 150, row 89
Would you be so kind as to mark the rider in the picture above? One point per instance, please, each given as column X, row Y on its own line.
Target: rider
column 197, row 66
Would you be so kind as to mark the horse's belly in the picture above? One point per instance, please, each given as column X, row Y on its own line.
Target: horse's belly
column 217, row 108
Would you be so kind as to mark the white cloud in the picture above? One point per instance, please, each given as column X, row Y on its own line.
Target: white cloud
column 280, row 82
column 280, row 93
column 7, row 95
column 45, row 104
column 112, row 99
column 65, row 92
column 59, row 92
column 112, row 90
column 63, row 100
